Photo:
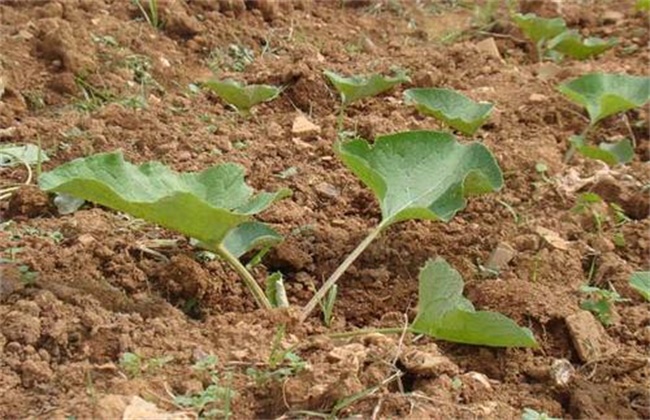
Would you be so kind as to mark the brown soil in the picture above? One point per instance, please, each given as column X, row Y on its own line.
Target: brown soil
column 78, row 292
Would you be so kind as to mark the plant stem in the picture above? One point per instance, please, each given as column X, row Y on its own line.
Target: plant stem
column 572, row 149
column 339, row 119
column 331, row 281
column 348, row 334
column 245, row 275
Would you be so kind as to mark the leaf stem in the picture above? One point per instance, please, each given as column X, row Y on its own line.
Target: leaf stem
column 339, row 119
column 245, row 275
column 331, row 281
column 572, row 149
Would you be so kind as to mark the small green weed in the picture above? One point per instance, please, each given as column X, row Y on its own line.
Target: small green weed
column 150, row 12
column 601, row 302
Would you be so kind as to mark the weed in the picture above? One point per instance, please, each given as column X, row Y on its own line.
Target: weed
column 601, row 302
column 150, row 12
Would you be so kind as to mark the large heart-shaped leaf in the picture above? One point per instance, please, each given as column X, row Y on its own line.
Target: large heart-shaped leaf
column 445, row 314
column 421, row 174
column 539, row 29
column 204, row 205
column 605, row 94
column 457, row 110
column 242, row 97
column 571, row 43
column 358, row 87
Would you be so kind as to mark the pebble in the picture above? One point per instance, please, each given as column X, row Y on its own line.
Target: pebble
column 327, row 190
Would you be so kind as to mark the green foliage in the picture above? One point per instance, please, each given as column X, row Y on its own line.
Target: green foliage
column 150, row 13
column 354, row 88
column 539, row 29
column 551, row 36
column 445, row 314
column 421, row 174
column 242, row 97
column 248, row 236
column 414, row 175
column 570, row 43
column 642, row 5
column 610, row 153
column 600, row 303
column 27, row 154
column 213, row 400
column 453, row 108
column 134, row 365
column 640, row 281
column 217, row 198
column 607, row 94
column 275, row 291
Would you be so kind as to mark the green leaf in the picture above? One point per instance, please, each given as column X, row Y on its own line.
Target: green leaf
column 640, row 281
column 455, row 109
column 248, row 236
column 571, row 43
column 445, row 314
column 242, row 97
column 358, row 87
column 539, row 29
column 204, row 205
column 610, row 153
column 275, row 291
column 642, row 5
column 421, row 174
column 28, row 154
column 607, row 94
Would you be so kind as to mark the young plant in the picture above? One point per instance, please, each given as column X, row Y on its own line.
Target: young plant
column 601, row 302
column 616, row 153
column 444, row 313
column 242, row 97
column 570, row 43
column 552, row 38
column 539, row 30
column 215, row 206
column 355, row 88
column 215, row 400
column 455, row 109
column 640, row 281
column 414, row 175
column 603, row 95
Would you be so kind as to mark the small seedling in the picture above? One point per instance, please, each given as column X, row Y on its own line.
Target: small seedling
column 588, row 203
column 640, row 281
column 604, row 95
column 444, row 313
column 242, row 97
column 220, row 202
column 611, row 153
column 453, row 108
column 131, row 363
column 414, row 175
column 601, row 302
column 358, row 87
column 553, row 39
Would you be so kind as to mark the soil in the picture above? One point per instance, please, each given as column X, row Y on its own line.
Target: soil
column 84, row 295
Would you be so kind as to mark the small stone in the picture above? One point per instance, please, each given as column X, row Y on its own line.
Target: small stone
column 500, row 257
column 612, row 17
column 428, row 363
column 489, row 46
column 327, row 190
column 552, row 238
column 303, row 127
column 368, row 46
column 7, row 132
column 561, row 371
column 537, row 97
column 589, row 337
column 86, row 239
